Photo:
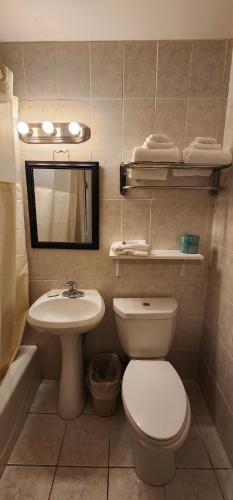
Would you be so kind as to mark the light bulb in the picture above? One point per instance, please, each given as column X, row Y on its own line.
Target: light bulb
column 48, row 127
column 74, row 128
column 23, row 128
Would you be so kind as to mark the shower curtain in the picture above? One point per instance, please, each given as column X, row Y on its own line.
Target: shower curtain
column 13, row 257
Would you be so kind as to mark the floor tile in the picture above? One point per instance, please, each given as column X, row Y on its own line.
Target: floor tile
column 213, row 443
column 225, row 479
column 86, row 442
column 193, row 453
column 46, row 397
column 80, row 483
column 125, row 485
column 39, row 441
column 120, row 449
column 193, row 485
column 26, row 483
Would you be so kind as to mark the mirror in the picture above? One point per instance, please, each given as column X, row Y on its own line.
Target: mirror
column 63, row 202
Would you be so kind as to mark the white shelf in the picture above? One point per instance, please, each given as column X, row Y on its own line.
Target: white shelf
column 159, row 255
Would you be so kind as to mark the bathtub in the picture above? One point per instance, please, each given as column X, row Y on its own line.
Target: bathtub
column 17, row 391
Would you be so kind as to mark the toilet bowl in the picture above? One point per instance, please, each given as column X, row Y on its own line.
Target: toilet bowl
column 156, row 405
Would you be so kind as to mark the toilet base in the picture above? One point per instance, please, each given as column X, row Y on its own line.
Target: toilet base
column 155, row 467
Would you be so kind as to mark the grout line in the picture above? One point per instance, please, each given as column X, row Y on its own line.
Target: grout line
column 219, row 484
column 109, row 447
column 123, row 103
column 188, row 98
column 156, row 81
column 56, row 466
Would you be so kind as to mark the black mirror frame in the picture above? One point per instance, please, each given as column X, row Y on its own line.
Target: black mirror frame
column 73, row 165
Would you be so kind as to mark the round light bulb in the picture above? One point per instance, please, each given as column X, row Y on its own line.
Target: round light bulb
column 74, row 128
column 48, row 127
column 23, row 128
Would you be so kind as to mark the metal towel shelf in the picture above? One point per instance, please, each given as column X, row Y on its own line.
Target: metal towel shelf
column 212, row 187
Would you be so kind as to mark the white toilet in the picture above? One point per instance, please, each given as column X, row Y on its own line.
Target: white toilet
column 154, row 398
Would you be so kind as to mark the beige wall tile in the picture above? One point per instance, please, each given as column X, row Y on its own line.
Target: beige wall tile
column 174, row 60
column 11, row 54
column 202, row 119
column 227, row 70
column 139, row 69
column 106, row 69
column 81, row 268
column 224, row 323
column 110, row 222
column 138, row 122
column 207, row 71
column 135, row 219
column 106, row 125
column 38, row 111
column 188, row 333
column 164, row 224
column 170, row 119
column 73, row 69
column 47, row 264
column 190, row 298
column 40, row 70
column 109, row 174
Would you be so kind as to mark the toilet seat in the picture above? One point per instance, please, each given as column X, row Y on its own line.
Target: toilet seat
column 155, row 400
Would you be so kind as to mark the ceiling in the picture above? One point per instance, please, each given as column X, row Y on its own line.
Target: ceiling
column 30, row 20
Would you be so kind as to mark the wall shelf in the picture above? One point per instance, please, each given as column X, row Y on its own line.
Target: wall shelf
column 159, row 255
column 174, row 255
column 212, row 187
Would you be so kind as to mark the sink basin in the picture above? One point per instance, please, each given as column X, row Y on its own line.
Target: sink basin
column 69, row 318
column 63, row 315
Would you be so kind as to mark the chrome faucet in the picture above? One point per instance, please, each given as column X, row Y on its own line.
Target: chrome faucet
column 72, row 292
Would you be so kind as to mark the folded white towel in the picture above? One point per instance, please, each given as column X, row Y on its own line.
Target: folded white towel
column 205, row 140
column 148, row 174
column 199, row 145
column 158, row 145
column 191, row 172
column 156, row 155
column 209, row 157
column 130, row 251
column 119, row 246
column 159, row 138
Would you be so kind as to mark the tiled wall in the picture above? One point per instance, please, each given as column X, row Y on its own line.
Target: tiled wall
column 216, row 360
column 125, row 91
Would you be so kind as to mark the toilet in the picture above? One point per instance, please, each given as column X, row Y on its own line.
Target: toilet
column 155, row 401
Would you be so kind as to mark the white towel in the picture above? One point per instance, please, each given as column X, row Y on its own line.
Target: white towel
column 209, row 157
column 149, row 174
column 158, row 145
column 163, row 138
column 205, row 140
column 119, row 246
column 191, row 172
column 156, row 155
column 130, row 251
column 199, row 145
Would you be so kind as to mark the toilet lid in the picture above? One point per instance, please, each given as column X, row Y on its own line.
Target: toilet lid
column 155, row 398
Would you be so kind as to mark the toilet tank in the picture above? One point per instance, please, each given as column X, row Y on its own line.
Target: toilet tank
column 145, row 327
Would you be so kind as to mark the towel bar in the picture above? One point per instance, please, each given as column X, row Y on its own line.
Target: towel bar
column 212, row 187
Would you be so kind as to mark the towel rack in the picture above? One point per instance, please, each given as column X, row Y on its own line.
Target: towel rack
column 212, row 187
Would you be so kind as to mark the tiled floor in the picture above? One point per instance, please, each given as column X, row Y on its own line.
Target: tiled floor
column 90, row 458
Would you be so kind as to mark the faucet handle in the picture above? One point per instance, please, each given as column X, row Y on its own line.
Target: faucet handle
column 72, row 285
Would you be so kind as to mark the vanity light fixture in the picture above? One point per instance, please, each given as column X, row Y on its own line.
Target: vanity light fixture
column 24, row 129
column 48, row 128
column 74, row 128
column 53, row 133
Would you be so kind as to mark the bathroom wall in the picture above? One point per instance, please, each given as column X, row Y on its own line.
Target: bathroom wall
column 125, row 91
column 216, row 361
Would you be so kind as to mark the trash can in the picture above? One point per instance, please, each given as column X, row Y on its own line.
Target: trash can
column 103, row 380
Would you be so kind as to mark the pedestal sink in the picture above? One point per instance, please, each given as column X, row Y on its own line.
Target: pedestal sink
column 68, row 318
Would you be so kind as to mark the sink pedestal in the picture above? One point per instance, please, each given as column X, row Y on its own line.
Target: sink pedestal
column 72, row 389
